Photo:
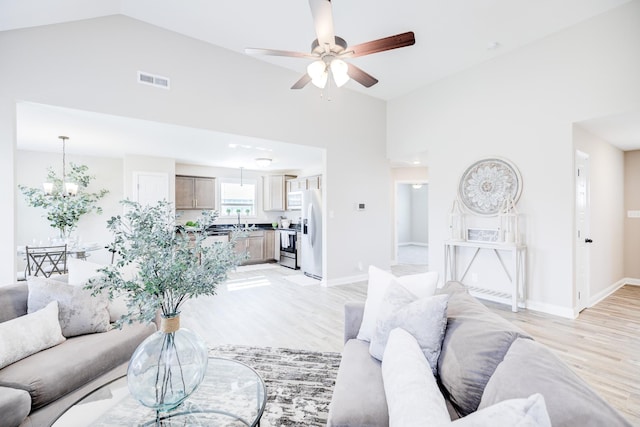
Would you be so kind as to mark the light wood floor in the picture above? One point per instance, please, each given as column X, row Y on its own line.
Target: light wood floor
column 263, row 308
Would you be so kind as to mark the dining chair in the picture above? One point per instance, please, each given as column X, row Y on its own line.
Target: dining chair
column 46, row 260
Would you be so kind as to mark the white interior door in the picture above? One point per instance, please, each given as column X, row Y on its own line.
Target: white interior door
column 582, row 236
column 150, row 187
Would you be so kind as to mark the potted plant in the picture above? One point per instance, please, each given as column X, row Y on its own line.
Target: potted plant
column 63, row 210
column 172, row 265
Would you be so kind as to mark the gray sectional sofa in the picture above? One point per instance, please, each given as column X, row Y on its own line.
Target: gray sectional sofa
column 484, row 360
column 36, row 390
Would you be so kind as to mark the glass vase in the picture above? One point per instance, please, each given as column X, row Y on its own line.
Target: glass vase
column 167, row 366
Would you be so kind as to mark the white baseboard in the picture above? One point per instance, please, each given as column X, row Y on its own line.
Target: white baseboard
column 426, row 245
column 346, row 280
column 594, row 299
column 555, row 310
column 630, row 281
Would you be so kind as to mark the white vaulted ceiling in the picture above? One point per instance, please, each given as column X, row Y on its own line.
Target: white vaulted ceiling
column 450, row 35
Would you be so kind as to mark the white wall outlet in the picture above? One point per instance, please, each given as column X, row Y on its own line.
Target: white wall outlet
column 360, row 268
column 633, row 214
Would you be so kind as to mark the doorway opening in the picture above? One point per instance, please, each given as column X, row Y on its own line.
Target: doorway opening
column 412, row 223
column 582, row 240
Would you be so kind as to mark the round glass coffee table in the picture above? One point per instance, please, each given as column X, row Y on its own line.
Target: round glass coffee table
column 231, row 394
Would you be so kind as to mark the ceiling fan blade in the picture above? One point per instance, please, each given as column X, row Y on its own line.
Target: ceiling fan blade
column 304, row 80
column 323, row 22
column 362, row 77
column 380, row 45
column 275, row 52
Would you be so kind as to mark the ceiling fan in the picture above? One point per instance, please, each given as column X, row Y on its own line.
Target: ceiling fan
column 329, row 50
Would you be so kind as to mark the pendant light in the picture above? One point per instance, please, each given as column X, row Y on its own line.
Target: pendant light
column 68, row 188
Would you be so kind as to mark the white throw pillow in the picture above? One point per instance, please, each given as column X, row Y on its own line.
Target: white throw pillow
column 80, row 271
column 424, row 318
column 79, row 311
column 413, row 397
column 529, row 412
column 379, row 282
column 421, row 285
column 29, row 334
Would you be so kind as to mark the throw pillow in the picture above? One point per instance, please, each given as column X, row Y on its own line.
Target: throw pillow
column 424, row 318
column 421, row 285
column 379, row 281
column 413, row 397
column 530, row 367
column 29, row 334
column 80, row 271
column 79, row 311
column 529, row 412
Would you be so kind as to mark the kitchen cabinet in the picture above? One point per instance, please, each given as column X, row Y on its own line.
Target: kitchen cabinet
column 296, row 185
column 314, row 182
column 274, row 192
column 193, row 192
column 269, row 245
column 253, row 245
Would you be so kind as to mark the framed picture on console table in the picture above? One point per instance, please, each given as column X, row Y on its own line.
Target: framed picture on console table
column 483, row 235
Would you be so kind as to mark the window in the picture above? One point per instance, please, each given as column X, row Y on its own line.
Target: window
column 236, row 198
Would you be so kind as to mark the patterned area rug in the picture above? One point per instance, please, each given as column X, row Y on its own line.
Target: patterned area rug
column 299, row 383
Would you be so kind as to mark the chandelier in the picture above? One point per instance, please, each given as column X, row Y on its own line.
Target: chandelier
column 68, row 188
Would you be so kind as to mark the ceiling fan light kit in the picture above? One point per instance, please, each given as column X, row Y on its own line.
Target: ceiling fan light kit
column 328, row 51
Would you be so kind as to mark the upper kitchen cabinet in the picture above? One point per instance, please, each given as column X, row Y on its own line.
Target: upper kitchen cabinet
column 274, row 192
column 314, row 182
column 194, row 192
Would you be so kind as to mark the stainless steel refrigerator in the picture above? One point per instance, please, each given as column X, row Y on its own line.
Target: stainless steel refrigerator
column 311, row 249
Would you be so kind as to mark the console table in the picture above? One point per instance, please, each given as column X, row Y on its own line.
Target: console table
column 517, row 276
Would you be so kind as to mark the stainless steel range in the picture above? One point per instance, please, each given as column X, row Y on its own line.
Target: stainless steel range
column 288, row 247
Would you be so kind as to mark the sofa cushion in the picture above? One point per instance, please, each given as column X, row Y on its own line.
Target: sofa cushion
column 413, row 396
column 13, row 301
column 54, row 372
column 475, row 342
column 420, row 285
column 15, row 405
column 529, row 367
column 79, row 311
column 358, row 396
column 424, row 318
column 29, row 334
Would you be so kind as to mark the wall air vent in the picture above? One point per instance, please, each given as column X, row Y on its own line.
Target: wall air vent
column 153, row 80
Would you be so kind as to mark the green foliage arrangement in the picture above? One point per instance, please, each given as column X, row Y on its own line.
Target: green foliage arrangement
column 172, row 265
column 63, row 213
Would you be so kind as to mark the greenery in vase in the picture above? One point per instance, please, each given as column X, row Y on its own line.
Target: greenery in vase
column 172, row 265
column 64, row 212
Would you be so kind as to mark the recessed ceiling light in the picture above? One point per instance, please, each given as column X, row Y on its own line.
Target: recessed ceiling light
column 417, row 186
column 233, row 145
column 493, row 45
column 416, row 162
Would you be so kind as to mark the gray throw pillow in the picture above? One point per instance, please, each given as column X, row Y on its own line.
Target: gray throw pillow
column 475, row 343
column 530, row 367
column 424, row 318
column 79, row 312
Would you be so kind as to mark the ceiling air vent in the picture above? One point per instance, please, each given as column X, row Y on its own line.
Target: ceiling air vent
column 153, row 80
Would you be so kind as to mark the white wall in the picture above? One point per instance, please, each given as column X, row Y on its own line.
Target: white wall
column 91, row 65
column 403, row 213
column 420, row 214
column 606, row 201
column 521, row 106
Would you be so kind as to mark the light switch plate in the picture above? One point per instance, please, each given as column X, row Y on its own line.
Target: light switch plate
column 633, row 214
